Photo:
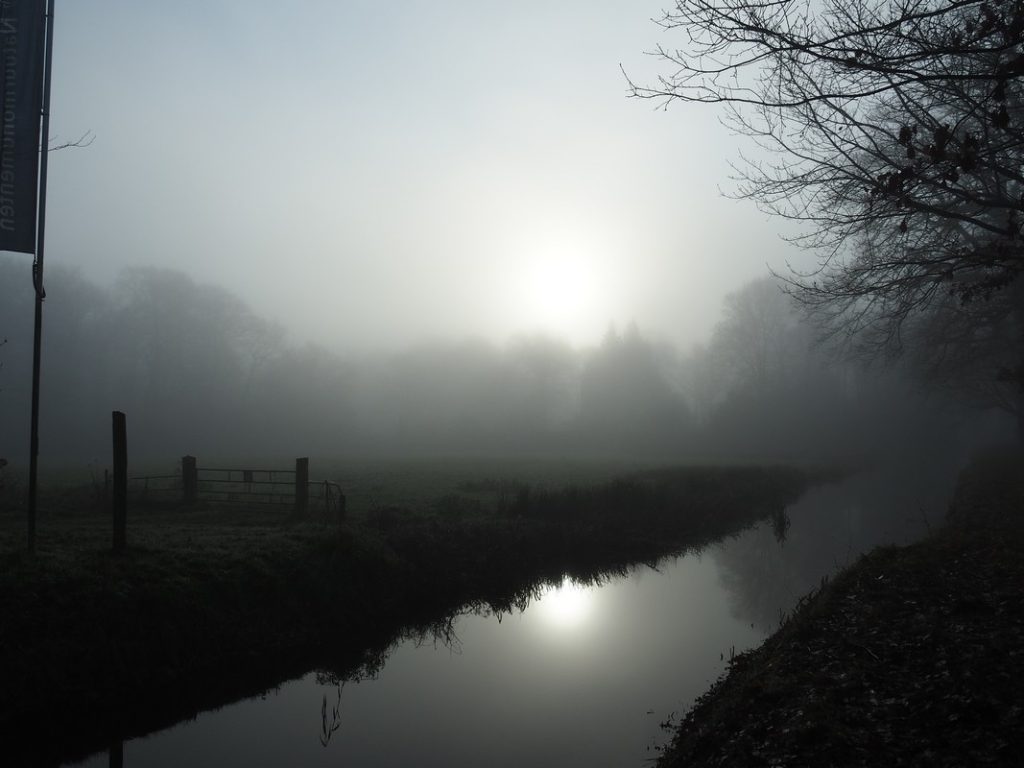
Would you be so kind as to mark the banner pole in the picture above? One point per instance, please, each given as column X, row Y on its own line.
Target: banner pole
column 37, row 281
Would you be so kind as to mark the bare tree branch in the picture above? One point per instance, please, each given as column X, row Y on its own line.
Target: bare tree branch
column 85, row 140
column 891, row 130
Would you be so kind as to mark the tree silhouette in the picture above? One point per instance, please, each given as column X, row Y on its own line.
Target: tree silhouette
column 889, row 130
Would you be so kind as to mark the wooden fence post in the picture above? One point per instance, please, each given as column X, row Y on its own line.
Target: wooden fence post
column 189, row 480
column 119, row 497
column 301, row 487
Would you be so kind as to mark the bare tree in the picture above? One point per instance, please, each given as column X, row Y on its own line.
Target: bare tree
column 891, row 130
column 759, row 341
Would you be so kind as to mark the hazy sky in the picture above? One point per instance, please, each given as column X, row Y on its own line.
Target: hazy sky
column 377, row 173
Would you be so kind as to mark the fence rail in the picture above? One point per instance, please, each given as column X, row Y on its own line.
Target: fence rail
column 242, row 486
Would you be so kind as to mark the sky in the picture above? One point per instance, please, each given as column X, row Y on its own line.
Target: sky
column 373, row 175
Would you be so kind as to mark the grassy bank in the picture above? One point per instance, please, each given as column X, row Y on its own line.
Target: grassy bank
column 208, row 605
column 912, row 656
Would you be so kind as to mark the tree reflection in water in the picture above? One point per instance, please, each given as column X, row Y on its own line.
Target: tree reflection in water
column 327, row 730
column 766, row 569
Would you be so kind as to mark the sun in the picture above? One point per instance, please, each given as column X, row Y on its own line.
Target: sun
column 560, row 284
column 560, row 290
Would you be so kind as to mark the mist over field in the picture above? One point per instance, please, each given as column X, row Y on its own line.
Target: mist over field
column 198, row 372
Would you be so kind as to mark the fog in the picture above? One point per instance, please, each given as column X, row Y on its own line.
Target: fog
column 361, row 229
column 374, row 176
column 428, row 312
column 199, row 372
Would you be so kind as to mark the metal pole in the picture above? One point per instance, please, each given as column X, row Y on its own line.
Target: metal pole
column 37, row 281
column 120, row 497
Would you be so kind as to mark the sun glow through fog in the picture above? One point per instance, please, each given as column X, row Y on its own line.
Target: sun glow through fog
column 561, row 288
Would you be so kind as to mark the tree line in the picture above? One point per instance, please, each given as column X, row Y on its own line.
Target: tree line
column 198, row 372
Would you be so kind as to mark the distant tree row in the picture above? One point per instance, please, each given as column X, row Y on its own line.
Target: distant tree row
column 198, row 372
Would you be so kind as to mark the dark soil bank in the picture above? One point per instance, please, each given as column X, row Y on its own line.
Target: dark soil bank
column 207, row 607
column 913, row 656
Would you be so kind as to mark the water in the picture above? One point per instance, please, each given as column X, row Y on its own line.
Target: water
column 584, row 676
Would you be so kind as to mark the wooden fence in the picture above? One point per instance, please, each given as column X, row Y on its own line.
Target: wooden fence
column 243, row 486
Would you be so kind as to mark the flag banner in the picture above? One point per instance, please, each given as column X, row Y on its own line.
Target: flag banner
column 22, row 24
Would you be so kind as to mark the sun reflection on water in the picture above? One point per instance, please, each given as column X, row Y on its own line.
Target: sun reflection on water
column 567, row 606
